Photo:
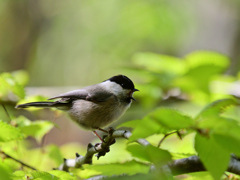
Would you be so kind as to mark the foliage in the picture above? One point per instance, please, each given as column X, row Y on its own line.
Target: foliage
column 215, row 129
column 192, row 76
column 13, row 83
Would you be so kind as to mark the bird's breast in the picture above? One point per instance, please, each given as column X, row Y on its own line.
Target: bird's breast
column 92, row 115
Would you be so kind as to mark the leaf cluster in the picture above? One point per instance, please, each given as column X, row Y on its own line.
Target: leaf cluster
column 216, row 136
column 195, row 77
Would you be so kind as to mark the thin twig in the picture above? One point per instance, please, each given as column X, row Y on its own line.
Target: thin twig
column 164, row 137
column 5, row 109
column 22, row 163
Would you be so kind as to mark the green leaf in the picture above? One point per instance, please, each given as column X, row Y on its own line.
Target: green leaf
column 138, row 152
column 159, row 63
column 196, row 73
column 62, row 175
column 160, row 121
column 9, row 84
column 230, row 143
column 4, row 87
column 19, row 175
column 37, row 175
column 150, row 153
column 214, row 157
column 130, row 124
column 9, row 133
column 171, row 119
column 203, row 67
column 145, row 128
column 221, row 125
column 37, row 129
column 55, row 154
column 129, row 168
column 21, row 77
column 149, row 176
column 5, row 171
column 22, row 121
column 199, row 176
column 215, row 108
column 195, row 79
column 200, row 58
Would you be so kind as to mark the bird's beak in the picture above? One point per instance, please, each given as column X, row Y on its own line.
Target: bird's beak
column 133, row 98
column 132, row 93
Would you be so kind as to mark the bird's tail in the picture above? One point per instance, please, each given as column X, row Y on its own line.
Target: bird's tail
column 41, row 104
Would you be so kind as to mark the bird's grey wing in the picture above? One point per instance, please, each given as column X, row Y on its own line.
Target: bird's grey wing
column 76, row 94
column 98, row 96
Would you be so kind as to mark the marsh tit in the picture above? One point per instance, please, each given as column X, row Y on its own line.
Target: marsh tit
column 96, row 106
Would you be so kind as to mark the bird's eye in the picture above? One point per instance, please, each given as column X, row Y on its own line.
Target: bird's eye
column 122, row 84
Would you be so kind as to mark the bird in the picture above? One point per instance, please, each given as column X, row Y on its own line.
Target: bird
column 96, row 106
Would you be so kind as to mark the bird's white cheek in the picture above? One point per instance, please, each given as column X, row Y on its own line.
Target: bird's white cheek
column 112, row 87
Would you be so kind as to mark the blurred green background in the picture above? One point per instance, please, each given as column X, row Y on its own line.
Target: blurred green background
column 83, row 42
column 78, row 43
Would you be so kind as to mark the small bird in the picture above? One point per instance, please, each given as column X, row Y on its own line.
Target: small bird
column 96, row 106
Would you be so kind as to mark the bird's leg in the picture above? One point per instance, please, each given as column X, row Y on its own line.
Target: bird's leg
column 103, row 130
column 109, row 132
column 98, row 135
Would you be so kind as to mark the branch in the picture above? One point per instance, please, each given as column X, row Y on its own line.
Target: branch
column 22, row 163
column 177, row 167
column 193, row 164
column 184, row 166
column 100, row 149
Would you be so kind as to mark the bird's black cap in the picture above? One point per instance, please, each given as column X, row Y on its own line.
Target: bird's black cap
column 123, row 81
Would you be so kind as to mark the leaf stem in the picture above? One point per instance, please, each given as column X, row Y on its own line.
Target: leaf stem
column 164, row 137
